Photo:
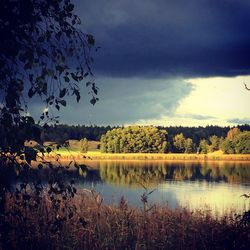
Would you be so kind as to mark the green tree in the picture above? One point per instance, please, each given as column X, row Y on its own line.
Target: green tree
column 182, row 144
column 214, row 143
column 103, row 146
column 84, row 145
column 242, row 143
column 232, row 133
column 189, row 147
column 134, row 139
column 203, row 146
column 179, row 142
column 227, row 146
column 164, row 147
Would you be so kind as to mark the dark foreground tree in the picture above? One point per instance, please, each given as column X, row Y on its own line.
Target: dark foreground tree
column 43, row 54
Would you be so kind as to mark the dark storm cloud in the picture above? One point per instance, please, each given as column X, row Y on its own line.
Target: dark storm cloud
column 158, row 38
column 149, row 46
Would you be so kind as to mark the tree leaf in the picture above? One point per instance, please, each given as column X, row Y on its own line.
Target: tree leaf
column 31, row 92
column 93, row 100
column 91, row 40
column 62, row 102
column 62, row 93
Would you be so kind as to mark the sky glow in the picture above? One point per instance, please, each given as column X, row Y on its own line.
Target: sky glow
column 221, row 99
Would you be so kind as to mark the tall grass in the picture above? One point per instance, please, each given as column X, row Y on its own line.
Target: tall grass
column 68, row 154
column 85, row 222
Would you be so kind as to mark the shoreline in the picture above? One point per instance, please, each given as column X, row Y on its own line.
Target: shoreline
column 72, row 155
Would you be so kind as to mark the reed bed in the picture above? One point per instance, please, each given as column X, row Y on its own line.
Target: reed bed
column 85, row 222
column 95, row 155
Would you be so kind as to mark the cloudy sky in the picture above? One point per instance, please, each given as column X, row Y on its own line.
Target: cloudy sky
column 167, row 62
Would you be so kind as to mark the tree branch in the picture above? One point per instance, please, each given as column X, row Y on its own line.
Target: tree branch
column 246, row 87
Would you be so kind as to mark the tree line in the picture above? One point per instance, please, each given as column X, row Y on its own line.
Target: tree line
column 148, row 139
column 176, row 139
column 235, row 142
column 63, row 132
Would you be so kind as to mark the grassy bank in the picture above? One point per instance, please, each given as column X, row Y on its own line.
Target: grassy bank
column 84, row 222
column 95, row 155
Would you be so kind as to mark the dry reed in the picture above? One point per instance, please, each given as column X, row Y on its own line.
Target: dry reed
column 85, row 222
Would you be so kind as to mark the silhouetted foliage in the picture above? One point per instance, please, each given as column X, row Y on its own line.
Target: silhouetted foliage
column 63, row 132
column 42, row 53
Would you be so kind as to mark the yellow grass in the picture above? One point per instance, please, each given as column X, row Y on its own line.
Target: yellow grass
column 96, row 155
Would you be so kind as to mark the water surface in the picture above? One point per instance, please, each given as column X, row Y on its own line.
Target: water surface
column 216, row 186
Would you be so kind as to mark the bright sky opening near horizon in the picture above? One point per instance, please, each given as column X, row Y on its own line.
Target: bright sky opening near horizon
column 166, row 62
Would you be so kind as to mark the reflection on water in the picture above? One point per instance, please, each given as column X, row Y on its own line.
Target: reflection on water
column 207, row 185
column 131, row 173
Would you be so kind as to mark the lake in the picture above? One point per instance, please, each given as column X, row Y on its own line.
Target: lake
column 215, row 186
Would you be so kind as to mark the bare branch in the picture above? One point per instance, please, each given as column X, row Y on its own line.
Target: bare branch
column 246, row 87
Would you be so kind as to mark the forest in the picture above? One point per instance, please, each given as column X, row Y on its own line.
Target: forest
column 151, row 139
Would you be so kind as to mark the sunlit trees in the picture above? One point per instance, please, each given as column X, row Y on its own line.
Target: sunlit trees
column 134, row 139
column 84, row 145
column 214, row 143
column 232, row 133
column 227, row 147
column 239, row 144
column 203, row 146
column 179, row 142
column 164, row 147
column 182, row 144
column 242, row 143
column 189, row 147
